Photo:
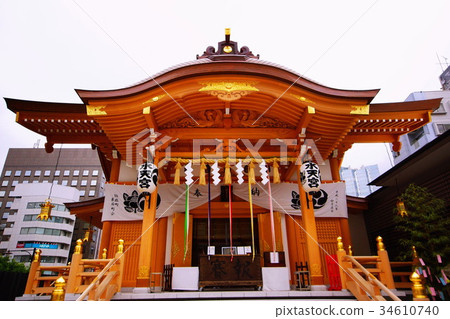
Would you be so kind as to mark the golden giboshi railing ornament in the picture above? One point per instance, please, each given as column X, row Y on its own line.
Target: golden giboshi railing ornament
column 417, row 289
column 58, row 293
column 380, row 245
column 46, row 210
column 120, row 246
column 78, row 247
column 37, row 256
column 104, row 255
column 340, row 244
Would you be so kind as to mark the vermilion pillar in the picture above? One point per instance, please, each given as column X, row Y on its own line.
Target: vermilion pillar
column 312, row 241
column 145, row 252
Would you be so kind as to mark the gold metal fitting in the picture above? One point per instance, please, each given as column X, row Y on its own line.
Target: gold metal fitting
column 350, row 252
column 46, row 210
column 227, row 31
column 104, row 253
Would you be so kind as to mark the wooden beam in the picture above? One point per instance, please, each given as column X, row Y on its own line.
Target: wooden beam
column 149, row 118
column 288, row 174
column 222, row 133
column 371, row 138
column 72, row 138
column 308, row 114
column 224, row 154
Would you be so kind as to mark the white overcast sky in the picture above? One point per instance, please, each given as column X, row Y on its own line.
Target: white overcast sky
column 49, row 48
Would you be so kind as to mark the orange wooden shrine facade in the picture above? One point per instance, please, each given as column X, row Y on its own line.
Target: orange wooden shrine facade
column 248, row 106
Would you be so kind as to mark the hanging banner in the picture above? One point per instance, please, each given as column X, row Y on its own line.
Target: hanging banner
column 330, row 201
column 123, row 202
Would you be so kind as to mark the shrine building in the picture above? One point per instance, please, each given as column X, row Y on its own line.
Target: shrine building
column 228, row 133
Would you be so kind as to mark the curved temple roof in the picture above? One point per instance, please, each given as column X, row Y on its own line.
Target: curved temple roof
column 226, row 93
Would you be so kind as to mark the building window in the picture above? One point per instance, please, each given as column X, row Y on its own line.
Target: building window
column 35, row 182
column 37, row 173
column 93, row 182
column 442, row 128
column 24, row 182
column 48, row 259
column 86, row 172
column 2, row 193
column 18, row 173
column 414, row 136
column 65, row 182
column 47, row 173
column 5, row 183
column 27, row 173
column 66, row 172
column 95, row 172
column 74, row 183
column 57, row 172
column 76, row 172
column 91, row 193
column 82, row 193
column 83, row 182
column 8, row 173
column 8, row 204
column 5, row 215
column 14, row 183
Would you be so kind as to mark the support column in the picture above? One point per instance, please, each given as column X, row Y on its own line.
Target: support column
column 293, row 246
column 312, row 241
column 335, row 164
column 115, row 170
column 145, row 252
column 345, row 232
column 107, row 225
column 106, row 237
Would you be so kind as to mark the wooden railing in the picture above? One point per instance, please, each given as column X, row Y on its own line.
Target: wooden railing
column 101, row 278
column 366, row 282
column 401, row 270
column 40, row 284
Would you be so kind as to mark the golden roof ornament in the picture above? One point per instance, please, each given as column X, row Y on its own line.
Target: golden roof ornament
column 227, row 50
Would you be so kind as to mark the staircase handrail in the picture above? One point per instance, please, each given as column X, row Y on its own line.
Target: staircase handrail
column 372, row 279
column 98, row 278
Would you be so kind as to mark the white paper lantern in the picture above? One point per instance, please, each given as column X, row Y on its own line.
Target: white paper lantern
column 147, row 178
column 310, row 177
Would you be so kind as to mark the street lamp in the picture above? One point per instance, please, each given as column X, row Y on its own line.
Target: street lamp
column 8, row 252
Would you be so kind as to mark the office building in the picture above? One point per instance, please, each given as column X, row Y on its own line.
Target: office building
column 75, row 167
